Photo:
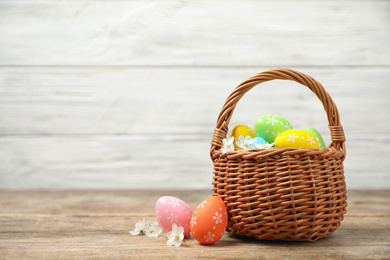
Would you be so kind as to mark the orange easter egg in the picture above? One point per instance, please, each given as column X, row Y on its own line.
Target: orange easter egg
column 209, row 220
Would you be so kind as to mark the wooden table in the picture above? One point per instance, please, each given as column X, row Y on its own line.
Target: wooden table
column 95, row 224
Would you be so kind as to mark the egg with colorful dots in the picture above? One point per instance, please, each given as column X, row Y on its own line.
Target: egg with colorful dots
column 209, row 220
column 243, row 130
column 269, row 127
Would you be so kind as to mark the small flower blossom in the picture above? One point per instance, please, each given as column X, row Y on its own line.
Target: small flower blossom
column 172, row 218
column 272, row 120
column 193, row 221
column 227, row 145
column 288, row 125
column 139, row 228
column 201, row 205
column 209, row 237
column 311, row 139
column 264, row 145
column 176, row 236
column 152, row 229
column 292, row 137
column 273, row 135
column 245, row 143
column 217, row 218
column 174, row 203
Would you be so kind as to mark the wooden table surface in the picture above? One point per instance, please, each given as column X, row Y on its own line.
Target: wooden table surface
column 95, row 224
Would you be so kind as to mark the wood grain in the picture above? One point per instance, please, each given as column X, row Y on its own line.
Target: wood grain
column 98, row 128
column 95, row 224
column 181, row 100
column 194, row 33
column 123, row 162
column 91, row 92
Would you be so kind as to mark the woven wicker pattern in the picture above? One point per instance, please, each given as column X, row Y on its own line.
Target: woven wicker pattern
column 281, row 193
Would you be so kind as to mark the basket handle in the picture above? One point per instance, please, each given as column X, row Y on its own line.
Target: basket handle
column 336, row 130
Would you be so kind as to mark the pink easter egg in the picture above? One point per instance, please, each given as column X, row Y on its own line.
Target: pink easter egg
column 171, row 210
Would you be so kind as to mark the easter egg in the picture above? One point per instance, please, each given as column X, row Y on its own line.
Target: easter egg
column 171, row 210
column 296, row 138
column 270, row 126
column 259, row 141
column 209, row 220
column 241, row 130
column 317, row 135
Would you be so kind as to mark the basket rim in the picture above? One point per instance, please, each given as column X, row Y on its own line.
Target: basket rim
column 260, row 153
column 336, row 130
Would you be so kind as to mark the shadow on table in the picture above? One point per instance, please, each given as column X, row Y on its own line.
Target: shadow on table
column 229, row 241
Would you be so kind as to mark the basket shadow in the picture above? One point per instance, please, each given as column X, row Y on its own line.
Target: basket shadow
column 237, row 240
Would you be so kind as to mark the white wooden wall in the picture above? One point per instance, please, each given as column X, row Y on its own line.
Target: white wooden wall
column 125, row 94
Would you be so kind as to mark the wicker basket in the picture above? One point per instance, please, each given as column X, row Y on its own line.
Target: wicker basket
column 281, row 193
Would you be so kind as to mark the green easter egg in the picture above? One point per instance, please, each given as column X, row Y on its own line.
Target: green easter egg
column 317, row 136
column 270, row 126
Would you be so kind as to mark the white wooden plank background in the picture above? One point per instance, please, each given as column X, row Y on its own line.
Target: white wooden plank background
column 125, row 94
column 173, row 32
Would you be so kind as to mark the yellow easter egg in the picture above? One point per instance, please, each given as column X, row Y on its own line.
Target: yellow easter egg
column 241, row 130
column 296, row 138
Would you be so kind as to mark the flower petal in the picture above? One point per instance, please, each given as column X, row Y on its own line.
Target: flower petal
column 151, row 234
column 180, row 230
column 174, row 228
column 177, row 243
column 158, row 231
column 171, row 241
column 225, row 143
column 134, row 232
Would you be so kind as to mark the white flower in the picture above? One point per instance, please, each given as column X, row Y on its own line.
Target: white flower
column 176, row 236
column 201, row 205
column 292, row 137
column 264, row 145
column 172, row 218
column 217, row 218
column 272, row 120
column 227, row 145
column 193, row 221
column 174, row 203
column 245, row 143
column 139, row 228
column 152, row 229
column 273, row 135
column 310, row 139
column 209, row 237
